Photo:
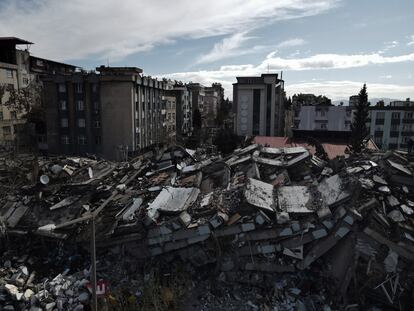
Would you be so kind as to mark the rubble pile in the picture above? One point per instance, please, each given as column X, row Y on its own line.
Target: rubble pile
column 262, row 229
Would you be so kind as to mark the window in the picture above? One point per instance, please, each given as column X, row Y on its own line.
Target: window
column 408, row 115
column 98, row 140
column 78, row 87
column 25, row 81
column 79, row 105
column 81, row 123
column 97, row 124
column 6, row 129
column 94, row 87
column 13, row 115
column 62, row 88
column 63, row 105
column 348, row 113
column 96, row 105
column 64, row 122
column 395, row 115
column 323, row 126
column 169, row 116
column 82, row 140
column 173, row 115
column 65, row 140
column 1, row 115
column 10, row 87
column 9, row 73
column 380, row 115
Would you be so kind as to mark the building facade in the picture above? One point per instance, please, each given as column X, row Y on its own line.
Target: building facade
column 14, row 74
column 169, row 109
column 113, row 112
column 197, row 94
column 323, row 118
column 18, row 70
column 258, row 103
column 391, row 126
column 183, row 110
column 211, row 102
column 73, row 113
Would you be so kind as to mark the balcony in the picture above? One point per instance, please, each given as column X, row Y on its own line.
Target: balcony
column 407, row 133
column 378, row 133
column 408, row 121
column 394, row 133
column 395, row 121
column 379, row 121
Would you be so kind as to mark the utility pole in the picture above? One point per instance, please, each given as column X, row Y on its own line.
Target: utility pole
column 93, row 266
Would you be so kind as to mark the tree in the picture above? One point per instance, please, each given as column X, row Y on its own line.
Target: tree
column 359, row 130
column 25, row 101
column 197, row 119
column 226, row 141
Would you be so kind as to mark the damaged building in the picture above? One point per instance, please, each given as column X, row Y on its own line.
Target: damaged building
column 261, row 229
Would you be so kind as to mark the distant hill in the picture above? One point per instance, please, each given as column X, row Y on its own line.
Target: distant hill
column 373, row 101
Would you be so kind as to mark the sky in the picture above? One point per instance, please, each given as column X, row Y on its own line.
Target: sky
column 325, row 47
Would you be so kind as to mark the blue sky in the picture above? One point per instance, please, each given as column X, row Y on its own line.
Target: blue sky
column 328, row 47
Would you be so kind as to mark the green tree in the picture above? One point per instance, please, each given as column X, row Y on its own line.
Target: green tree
column 359, row 130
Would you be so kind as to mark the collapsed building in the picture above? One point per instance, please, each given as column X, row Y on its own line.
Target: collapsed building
column 262, row 229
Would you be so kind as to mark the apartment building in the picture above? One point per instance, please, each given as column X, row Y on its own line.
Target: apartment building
column 198, row 94
column 113, row 112
column 392, row 126
column 73, row 113
column 169, row 109
column 211, row 102
column 323, row 118
column 184, row 109
column 258, row 104
column 14, row 74
column 19, row 69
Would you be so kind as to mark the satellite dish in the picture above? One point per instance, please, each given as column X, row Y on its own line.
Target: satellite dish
column 44, row 179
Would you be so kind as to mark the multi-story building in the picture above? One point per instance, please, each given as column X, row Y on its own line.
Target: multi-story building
column 169, row 107
column 392, row 126
column 198, row 94
column 323, row 118
column 258, row 103
column 211, row 100
column 19, row 69
column 73, row 113
column 114, row 112
column 14, row 74
column 402, row 103
column 184, row 109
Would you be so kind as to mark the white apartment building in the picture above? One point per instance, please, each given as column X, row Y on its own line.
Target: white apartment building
column 323, row 118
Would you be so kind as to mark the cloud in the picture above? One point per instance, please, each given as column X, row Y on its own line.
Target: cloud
column 69, row 30
column 291, row 43
column 227, row 74
column 388, row 46
column 386, row 77
column 332, row 61
column 229, row 47
column 411, row 42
